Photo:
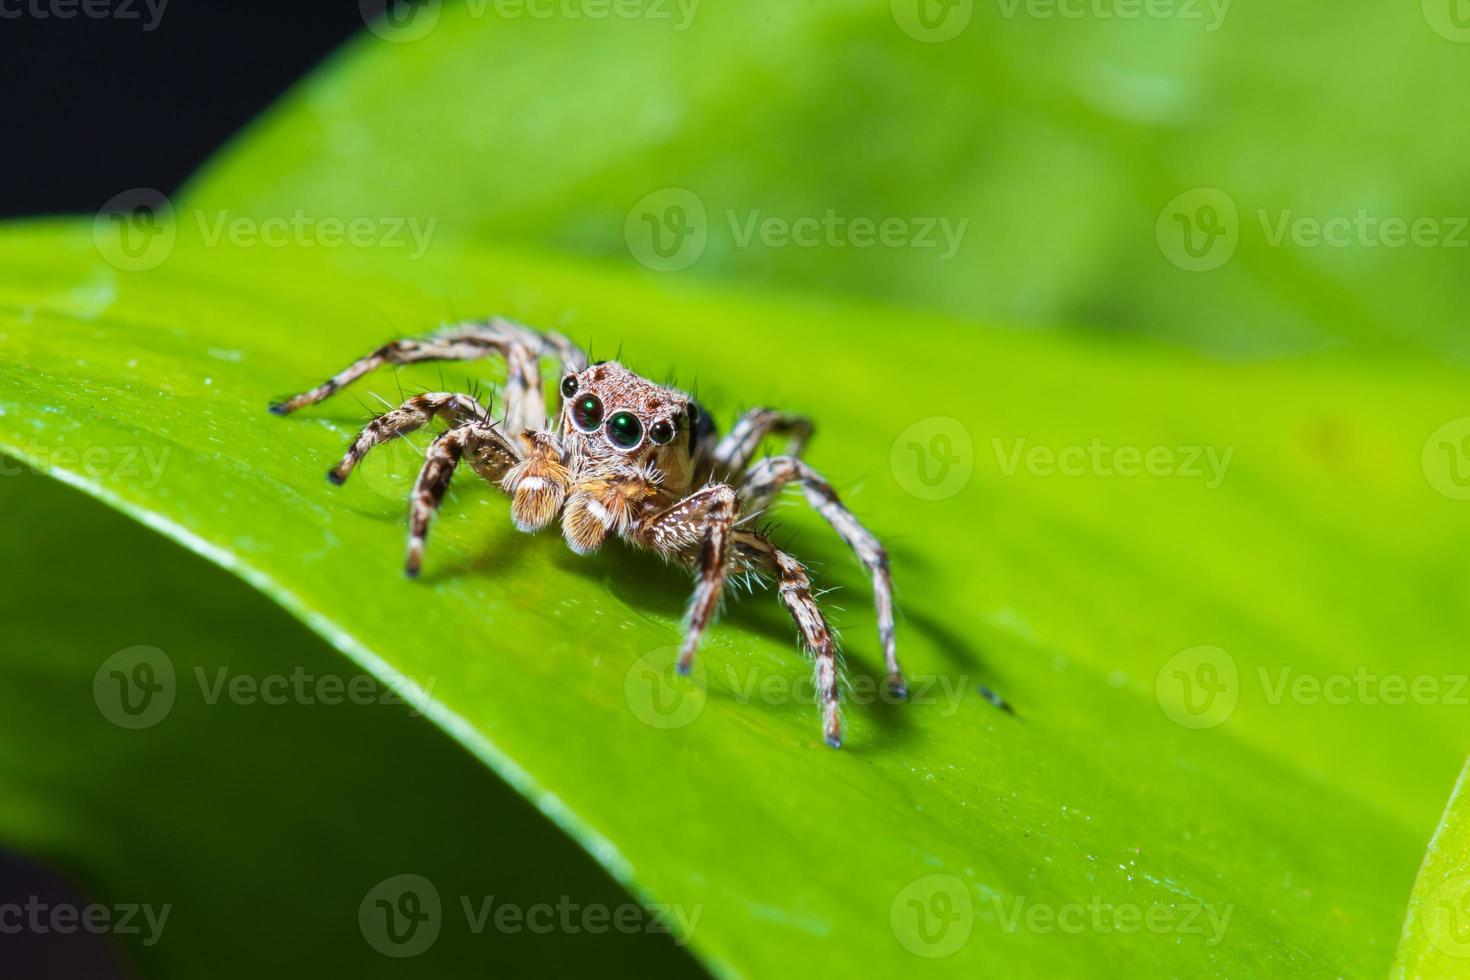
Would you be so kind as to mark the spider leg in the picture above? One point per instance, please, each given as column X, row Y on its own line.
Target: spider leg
column 762, row 484
column 537, row 484
column 756, row 551
column 700, row 529
column 411, row 415
column 735, row 451
column 525, row 405
column 697, row 526
column 488, row 452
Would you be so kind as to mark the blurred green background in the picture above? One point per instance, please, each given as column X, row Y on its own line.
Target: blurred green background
column 1058, row 131
column 953, row 233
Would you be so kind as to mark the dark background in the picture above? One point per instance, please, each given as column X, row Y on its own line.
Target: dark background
column 96, row 105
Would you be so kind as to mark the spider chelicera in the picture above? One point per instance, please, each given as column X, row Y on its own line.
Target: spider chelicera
column 628, row 458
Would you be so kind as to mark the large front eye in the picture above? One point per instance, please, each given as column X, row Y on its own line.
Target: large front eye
column 624, row 430
column 587, row 413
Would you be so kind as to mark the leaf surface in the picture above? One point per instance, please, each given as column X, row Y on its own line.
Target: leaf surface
column 948, row 834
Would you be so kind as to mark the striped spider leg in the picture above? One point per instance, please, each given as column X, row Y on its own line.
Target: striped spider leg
column 493, row 451
column 759, row 486
column 702, row 525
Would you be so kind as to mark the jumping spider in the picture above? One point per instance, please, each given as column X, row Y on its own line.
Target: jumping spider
column 624, row 457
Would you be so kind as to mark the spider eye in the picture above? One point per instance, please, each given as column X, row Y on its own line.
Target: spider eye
column 624, row 430
column 693, row 412
column 569, row 386
column 661, row 432
column 587, row 412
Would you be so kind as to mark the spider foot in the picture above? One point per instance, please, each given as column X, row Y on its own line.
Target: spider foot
column 832, row 725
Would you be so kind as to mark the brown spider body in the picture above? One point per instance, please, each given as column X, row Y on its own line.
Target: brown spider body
column 623, row 458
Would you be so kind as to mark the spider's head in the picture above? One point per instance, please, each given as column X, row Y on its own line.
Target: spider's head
column 617, row 416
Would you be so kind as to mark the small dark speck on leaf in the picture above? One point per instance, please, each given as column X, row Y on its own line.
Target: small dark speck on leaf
column 996, row 700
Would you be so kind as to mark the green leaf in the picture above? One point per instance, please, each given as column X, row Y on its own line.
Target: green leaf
column 254, row 825
column 1058, row 153
column 1435, row 942
column 1243, row 827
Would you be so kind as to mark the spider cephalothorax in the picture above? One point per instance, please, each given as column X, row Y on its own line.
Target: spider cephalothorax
column 623, row 458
